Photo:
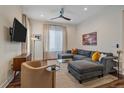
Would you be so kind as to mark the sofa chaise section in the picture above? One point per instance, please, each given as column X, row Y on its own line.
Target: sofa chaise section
column 83, row 69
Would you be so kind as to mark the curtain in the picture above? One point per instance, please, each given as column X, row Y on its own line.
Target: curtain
column 26, row 46
column 48, row 52
column 45, row 40
column 64, row 39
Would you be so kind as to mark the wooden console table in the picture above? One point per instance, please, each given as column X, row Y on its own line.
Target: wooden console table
column 18, row 60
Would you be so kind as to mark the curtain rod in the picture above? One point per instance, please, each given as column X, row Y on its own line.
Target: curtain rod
column 55, row 25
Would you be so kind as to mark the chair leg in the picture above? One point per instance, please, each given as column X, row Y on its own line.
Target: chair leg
column 102, row 75
column 99, row 76
column 80, row 81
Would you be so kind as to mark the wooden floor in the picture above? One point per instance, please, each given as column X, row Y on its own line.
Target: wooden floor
column 15, row 82
column 115, row 84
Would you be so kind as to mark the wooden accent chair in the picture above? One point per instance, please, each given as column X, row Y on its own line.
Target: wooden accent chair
column 35, row 75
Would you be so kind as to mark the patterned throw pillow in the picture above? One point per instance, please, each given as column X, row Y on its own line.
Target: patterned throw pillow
column 101, row 56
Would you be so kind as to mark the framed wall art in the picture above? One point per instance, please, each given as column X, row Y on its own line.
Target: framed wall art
column 89, row 39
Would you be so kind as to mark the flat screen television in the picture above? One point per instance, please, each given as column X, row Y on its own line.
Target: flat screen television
column 19, row 32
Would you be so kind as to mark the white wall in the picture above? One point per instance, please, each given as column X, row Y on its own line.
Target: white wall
column 71, row 36
column 8, row 50
column 37, row 28
column 108, row 25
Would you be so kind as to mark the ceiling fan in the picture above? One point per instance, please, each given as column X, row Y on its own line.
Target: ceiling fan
column 61, row 15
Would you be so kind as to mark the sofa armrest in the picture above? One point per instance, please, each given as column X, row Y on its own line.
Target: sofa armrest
column 65, row 56
column 108, row 64
column 68, row 51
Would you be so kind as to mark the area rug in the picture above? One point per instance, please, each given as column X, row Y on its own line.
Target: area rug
column 66, row 80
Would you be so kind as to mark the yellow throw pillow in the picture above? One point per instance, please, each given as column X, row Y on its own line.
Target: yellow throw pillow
column 74, row 51
column 95, row 56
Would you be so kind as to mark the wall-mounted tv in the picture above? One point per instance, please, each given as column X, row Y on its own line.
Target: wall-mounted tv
column 18, row 32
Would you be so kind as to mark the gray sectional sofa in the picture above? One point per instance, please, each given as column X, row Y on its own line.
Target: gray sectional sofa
column 82, row 67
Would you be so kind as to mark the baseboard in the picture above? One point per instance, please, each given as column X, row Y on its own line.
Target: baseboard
column 5, row 84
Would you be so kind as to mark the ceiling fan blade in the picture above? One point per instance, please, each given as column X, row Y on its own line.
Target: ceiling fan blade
column 61, row 15
column 55, row 18
column 66, row 18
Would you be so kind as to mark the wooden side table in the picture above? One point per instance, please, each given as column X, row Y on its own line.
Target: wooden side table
column 18, row 60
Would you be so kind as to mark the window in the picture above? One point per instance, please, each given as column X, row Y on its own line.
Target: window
column 55, row 38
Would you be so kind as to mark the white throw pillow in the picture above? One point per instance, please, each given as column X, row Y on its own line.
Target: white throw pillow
column 101, row 56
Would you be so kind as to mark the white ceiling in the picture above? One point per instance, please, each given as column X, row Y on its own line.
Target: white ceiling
column 75, row 12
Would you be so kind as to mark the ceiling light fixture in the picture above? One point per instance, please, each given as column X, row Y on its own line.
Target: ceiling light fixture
column 85, row 9
column 42, row 15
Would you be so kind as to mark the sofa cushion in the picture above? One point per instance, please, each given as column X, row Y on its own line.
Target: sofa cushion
column 84, row 53
column 80, row 52
column 65, row 56
column 68, row 51
column 85, row 66
column 78, row 57
column 108, row 54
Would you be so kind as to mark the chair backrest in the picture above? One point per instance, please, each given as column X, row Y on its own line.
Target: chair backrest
column 35, row 75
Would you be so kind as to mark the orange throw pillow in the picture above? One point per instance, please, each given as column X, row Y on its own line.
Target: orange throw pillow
column 74, row 50
column 96, row 56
